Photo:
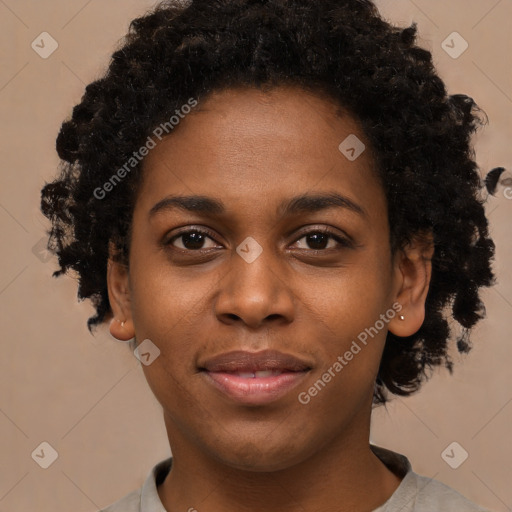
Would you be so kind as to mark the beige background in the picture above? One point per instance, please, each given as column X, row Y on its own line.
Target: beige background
column 86, row 396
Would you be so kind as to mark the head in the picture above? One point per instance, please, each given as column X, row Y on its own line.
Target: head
column 334, row 190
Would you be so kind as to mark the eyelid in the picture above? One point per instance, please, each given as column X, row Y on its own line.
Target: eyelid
column 335, row 233
column 344, row 240
column 191, row 229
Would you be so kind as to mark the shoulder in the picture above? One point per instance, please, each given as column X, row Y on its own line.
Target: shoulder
column 434, row 495
column 417, row 493
column 146, row 498
column 129, row 503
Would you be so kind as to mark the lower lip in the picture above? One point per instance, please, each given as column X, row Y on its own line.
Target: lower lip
column 255, row 391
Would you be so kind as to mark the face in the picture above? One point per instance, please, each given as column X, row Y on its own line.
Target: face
column 251, row 295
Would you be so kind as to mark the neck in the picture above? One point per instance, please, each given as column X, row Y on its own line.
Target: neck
column 344, row 475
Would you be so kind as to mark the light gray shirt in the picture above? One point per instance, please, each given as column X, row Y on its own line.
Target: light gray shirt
column 414, row 494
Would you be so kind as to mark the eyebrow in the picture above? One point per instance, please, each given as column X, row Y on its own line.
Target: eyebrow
column 305, row 203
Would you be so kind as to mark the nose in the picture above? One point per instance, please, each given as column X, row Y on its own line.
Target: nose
column 255, row 293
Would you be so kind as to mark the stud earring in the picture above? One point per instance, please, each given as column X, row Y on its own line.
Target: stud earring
column 402, row 317
column 122, row 325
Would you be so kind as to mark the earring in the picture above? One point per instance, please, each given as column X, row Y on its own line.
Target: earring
column 402, row 317
column 122, row 325
column 119, row 321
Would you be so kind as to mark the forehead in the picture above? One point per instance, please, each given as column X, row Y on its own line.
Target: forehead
column 249, row 145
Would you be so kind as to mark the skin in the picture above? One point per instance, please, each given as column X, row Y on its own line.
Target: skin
column 254, row 150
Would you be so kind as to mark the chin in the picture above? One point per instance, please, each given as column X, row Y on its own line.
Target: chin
column 267, row 454
column 259, row 462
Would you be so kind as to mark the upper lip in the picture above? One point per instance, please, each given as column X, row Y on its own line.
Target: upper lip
column 243, row 361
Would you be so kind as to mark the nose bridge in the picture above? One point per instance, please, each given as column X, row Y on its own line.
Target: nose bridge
column 254, row 288
column 255, row 265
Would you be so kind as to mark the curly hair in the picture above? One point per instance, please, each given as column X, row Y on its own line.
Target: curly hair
column 420, row 137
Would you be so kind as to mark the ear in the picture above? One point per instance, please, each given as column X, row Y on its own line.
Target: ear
column 412, row 273
column 118, row 284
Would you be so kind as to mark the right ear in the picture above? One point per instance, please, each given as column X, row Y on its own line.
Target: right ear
column 119, row 296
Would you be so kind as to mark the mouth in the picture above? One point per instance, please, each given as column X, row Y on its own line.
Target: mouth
column 254, row 378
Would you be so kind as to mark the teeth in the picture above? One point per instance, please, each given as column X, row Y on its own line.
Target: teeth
column 259, row 374
column 248, row 375
column 266, row 373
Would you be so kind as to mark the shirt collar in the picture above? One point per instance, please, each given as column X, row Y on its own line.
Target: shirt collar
column 150, row 500
column 395, row 462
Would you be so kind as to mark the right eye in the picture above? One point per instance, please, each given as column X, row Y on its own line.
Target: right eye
column 192, row 240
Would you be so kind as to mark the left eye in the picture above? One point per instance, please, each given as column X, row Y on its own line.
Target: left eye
column 318, row 240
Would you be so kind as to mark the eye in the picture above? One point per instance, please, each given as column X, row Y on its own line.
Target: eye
column 318, row 240
column 191, row 240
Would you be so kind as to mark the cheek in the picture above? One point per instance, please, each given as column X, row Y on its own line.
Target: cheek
column 349, row 340
column 171, row 386
column 166, row 310
column 347, row 300
column 347, row 309
column 165, row 300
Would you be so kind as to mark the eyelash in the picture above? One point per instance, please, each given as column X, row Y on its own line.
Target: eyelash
column 343, row 242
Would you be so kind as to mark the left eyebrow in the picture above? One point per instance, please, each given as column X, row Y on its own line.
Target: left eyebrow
column 308, row 203
column 305, row 203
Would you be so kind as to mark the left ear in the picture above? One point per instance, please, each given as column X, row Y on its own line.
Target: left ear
column 412, row 272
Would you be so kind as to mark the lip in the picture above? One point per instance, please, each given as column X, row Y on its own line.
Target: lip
column 243, row 361
column 237, row 375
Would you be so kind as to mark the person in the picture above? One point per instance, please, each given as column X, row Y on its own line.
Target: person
column 276, row 203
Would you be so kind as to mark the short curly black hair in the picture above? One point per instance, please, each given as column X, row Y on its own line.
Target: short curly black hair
column 341, row 49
